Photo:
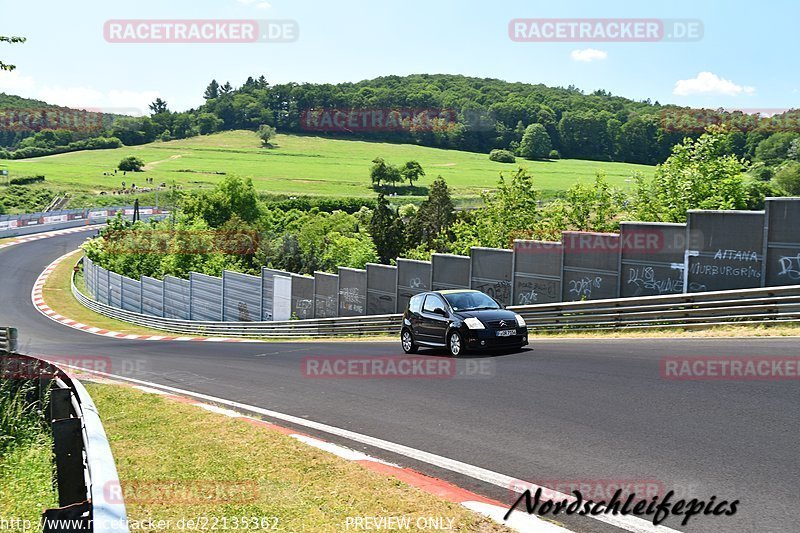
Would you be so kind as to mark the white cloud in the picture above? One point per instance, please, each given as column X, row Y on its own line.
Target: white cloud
column 82, row 97
column 14, row 81
column 260, row 4
column 710, row 83
column 588, row 54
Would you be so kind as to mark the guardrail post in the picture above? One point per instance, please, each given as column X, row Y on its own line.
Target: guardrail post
column 60, row 404
column 68, row 449
column 11, row 340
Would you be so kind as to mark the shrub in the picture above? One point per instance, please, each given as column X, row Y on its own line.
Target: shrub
column 131, row 164
column 502, row 156
column 554, row 155
column 788, row 178
column 27, row 180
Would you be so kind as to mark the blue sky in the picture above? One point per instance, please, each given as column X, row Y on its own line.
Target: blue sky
column 746, row 59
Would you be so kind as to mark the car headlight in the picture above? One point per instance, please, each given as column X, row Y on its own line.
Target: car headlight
column 474, row 323
column 520, row 321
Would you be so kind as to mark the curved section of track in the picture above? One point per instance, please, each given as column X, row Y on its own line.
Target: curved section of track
column 564, row 411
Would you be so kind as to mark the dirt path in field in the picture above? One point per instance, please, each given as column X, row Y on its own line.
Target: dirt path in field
column 149, row 166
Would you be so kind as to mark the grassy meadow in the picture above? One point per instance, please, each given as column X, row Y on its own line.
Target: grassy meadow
column 299, row 165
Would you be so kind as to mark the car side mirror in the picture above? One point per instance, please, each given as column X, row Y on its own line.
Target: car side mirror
column 440, row 311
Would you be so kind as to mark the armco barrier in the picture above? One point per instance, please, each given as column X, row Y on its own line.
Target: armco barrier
column 30, row 223
column 84, row 464
column 772, row 305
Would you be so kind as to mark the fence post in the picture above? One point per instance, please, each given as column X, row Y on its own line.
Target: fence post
column 11, row 339
column 67, row 447
column 191, row 285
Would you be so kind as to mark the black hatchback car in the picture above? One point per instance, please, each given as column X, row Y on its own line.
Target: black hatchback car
column 460, row 320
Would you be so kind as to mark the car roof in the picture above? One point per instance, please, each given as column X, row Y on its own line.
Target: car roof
column 456, row 291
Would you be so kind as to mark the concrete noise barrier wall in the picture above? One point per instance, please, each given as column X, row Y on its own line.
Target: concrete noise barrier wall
column 302, row 296
column 352, row 292
column 413, row 277
column 89, row 280
column 450, row 272
column 727, row 250
column 268, row 288
column 241, row 297
column 326, row 295
column 782, row 242
column 206, row 300
column 537, row 272
column 652, row 257
column 131, row 295
column 152, row 296
column 114, row 289
column 591, row 265
column 177, row 298
column 281, row 297
column 491, row 272
column 381, row 289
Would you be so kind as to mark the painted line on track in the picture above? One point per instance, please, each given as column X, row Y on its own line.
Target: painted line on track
column 628, row 522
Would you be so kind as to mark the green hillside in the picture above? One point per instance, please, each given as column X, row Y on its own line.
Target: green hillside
column 298, row 165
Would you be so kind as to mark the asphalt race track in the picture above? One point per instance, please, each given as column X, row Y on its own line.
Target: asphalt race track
column 563, row 411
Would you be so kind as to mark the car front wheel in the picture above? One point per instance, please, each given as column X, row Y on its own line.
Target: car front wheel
column 407, row 342
column 455, row 344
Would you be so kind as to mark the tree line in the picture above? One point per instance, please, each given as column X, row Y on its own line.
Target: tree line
column 529, row 120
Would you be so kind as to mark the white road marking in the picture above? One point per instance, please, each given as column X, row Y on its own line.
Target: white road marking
column 340, row 451
column 149, row 390
column 219, row 410
column 520, row 521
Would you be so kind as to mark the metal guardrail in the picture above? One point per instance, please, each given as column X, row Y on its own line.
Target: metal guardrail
column 769, row 305
column 89, row 493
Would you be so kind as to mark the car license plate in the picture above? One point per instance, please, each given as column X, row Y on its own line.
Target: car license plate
column 506, row 332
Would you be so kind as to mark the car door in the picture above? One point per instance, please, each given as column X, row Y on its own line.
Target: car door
column 433, row 326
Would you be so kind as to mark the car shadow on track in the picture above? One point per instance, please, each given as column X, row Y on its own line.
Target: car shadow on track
column 443, row 353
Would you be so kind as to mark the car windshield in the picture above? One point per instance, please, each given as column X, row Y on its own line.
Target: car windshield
column 470, row 301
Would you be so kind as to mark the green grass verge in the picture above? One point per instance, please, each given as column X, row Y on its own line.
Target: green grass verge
column 26, row 481
column 300, row 165
column 26, row 458
column 58, row 295
column 216, row 466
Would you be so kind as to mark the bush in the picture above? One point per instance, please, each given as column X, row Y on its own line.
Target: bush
column 21, row 199
column 266, row 133
column 502, row 156
column 554, row 155
column 788, row 178
column 762, row 172
column 326, row 205
column 96, row 143
column 131, row 164
column 27, row 180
